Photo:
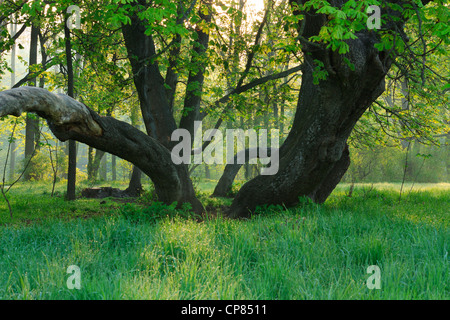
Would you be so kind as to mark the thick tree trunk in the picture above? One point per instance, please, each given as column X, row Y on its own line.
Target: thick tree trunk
column 323, row 191
column 156, row 110
column 314, row 156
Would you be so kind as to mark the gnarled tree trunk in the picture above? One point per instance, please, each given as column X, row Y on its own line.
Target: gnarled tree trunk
column 315, row 156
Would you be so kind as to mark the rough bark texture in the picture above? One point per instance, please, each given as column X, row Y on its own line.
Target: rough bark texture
column 330, row 182
column 316, row 149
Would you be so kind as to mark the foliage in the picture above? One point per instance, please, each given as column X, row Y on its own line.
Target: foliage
column 387, row 164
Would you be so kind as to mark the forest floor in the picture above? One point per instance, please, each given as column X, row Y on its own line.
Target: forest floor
column 145, row 250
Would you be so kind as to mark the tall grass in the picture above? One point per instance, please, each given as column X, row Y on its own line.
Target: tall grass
column 309, row 252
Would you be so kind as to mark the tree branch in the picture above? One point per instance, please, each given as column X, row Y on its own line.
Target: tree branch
column 240, row 90
column 70, row 119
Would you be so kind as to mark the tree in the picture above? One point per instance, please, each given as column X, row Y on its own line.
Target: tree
column 32, row 122
column 344, row 66
column 12, row 163
column 72, row 169
column 315, row 155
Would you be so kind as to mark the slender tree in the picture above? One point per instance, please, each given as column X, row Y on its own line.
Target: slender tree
column 72, row 147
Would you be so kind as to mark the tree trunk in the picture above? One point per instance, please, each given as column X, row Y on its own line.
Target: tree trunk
column 72, row 169
column 224, row 185
column 32, row 122
column 103, row 168
column 113, row 168
column 12, row 162
column 94, row 163
column 314, row 156
column 156, row 112
column 135, row 186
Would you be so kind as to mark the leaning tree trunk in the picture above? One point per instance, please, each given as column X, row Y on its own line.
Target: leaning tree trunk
column 70, row 119
column 315, row 156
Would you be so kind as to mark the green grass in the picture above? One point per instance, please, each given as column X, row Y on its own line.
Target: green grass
column 308, row 252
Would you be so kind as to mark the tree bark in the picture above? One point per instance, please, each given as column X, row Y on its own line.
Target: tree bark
column 113, row 168
column 94, row 163
column 103, row 168
column 316, row 148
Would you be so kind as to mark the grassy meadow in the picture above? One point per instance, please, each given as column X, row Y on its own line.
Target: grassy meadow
column 145, row 250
